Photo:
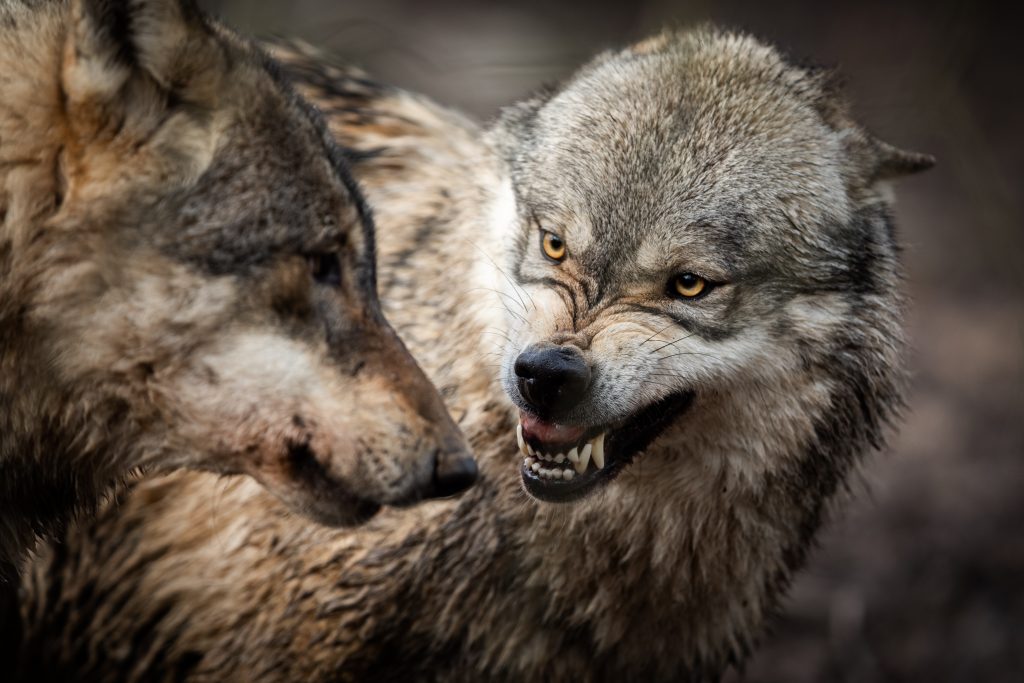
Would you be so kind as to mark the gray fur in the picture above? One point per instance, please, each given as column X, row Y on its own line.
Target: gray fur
column 705, row 147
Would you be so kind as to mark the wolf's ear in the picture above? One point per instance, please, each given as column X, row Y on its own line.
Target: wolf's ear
column 110, row 41
column 515, row 126
column 893, row 162
column 878, row 160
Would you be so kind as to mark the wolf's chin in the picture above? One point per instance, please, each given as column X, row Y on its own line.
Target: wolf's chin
column 572, row 469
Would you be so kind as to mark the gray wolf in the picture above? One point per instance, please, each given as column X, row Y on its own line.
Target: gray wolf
column 187, row 279
column 664, row 298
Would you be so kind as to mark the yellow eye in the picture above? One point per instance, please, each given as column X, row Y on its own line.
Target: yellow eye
column 553, row 246
column 689, row 286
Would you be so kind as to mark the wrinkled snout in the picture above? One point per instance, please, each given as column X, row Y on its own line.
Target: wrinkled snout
column 552, row 379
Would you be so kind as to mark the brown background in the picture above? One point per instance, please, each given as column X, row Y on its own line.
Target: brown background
column 920, row 579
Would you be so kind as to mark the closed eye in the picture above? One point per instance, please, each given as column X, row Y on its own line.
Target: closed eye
column 325, row 268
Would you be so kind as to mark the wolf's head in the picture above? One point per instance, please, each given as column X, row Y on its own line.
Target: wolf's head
column 196, row 268
column 702, row 241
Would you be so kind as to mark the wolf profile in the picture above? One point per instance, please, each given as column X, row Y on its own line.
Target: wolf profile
column 687, row 258
column 187, row 279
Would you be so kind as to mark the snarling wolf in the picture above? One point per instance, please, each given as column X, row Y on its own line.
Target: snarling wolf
column 187, row 279
column 687, row 257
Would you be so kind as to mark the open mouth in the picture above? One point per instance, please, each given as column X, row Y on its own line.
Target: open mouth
column 563, row 463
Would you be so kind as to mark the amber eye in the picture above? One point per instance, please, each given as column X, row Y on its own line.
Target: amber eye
column 552, row 245
column 688, row 286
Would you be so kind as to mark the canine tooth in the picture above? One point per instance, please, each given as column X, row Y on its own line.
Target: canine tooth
column 581, row 466
column 535, row 466
column 519, row 438
column 529, row 449
column 568, row 474
column 530, row 461
column 574, row 455
column 560, row 458
column 599, row 451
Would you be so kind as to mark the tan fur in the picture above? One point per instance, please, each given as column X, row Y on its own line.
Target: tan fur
column 670, row 571
column 163, row 194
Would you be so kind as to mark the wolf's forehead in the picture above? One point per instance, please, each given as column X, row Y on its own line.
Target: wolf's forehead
column 665, row 154
column 273, row 186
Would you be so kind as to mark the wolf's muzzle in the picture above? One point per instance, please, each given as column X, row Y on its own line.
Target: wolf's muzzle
column 453, row 473
column 552, row 379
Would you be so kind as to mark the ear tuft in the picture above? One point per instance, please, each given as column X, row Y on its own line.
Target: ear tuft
column 99, row 53
column 893, row 162
column 111, row 38
column 169, row 39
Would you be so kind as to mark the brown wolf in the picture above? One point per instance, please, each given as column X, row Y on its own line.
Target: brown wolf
column 187, row 279
column 697, row 272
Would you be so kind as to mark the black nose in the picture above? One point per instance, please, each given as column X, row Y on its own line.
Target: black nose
column 552, row 379
column 452, row 474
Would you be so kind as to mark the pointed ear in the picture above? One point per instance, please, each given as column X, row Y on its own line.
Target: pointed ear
column 893, row 162
column 877, row 160
column 516, row 122
column 112, row 40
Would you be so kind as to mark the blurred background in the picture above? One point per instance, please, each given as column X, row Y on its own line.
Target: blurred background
column 921, row 578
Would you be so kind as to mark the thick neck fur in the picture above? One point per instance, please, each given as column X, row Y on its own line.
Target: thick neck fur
column 671, row 572
column 668, row 574
column 54, row 452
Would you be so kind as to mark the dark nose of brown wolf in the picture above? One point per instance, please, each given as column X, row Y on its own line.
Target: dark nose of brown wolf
column 452, row 474
column 552, row 379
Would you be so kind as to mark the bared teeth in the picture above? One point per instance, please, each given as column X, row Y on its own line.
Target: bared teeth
column 584, row 459
column 599, row 451
column 579, row 458
column 592, row 449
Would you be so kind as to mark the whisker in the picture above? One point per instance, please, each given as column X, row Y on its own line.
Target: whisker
column 673, row 343
column 656, row 333
column 687, row 353
column 499, row 293
column 515, row 287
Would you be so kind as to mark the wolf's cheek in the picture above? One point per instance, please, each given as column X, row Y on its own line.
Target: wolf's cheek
column 261, row 404
column 332, row 445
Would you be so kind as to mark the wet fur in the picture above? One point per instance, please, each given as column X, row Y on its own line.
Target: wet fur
column 673, row 570
column 161, row 187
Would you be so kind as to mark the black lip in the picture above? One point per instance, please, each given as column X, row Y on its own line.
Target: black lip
column 333, row 504
column 622, row 445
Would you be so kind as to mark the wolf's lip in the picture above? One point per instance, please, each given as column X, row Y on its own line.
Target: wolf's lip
column 576, row 461
column 550, row 434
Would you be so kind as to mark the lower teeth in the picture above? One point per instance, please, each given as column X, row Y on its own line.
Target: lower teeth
column 576, row 460
column 553, row 474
